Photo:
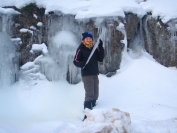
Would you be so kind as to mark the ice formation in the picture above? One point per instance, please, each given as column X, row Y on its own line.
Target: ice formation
column 8, row 56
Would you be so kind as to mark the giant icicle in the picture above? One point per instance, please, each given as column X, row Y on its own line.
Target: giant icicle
column 8, row 55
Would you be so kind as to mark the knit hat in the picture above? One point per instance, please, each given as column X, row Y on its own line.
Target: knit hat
column 87, row 34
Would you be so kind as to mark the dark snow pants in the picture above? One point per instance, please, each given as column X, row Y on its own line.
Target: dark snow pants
column 91, row 86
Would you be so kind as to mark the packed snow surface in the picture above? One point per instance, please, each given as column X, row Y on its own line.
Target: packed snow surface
column 143, row 88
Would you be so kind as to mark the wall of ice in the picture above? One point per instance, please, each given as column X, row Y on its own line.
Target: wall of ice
column 64, row 37
column 8, row 55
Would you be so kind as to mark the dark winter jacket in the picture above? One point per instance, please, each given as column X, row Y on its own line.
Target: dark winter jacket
column 81, row 57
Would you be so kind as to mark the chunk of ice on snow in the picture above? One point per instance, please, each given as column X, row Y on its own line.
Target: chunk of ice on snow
column 112, row 119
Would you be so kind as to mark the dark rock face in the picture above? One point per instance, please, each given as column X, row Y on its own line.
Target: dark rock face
column 25, row 20
column 160, row 40
column 113, row 47
column 131, row 25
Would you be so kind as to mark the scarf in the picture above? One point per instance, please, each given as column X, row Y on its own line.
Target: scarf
column 88, row 44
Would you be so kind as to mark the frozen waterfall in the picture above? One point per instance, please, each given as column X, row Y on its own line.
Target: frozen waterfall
column 58, row 63
column 8, row 57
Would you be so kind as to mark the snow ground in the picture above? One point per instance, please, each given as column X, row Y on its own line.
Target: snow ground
column 143, row 88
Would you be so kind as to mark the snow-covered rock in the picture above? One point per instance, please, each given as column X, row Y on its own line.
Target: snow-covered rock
column 40, row 48
column 24, row 30
column 40, row 24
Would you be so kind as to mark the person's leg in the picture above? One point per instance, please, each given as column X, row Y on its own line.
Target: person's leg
column 96, row 87
column 89, row 87
column 89, row 92
column 96, row 90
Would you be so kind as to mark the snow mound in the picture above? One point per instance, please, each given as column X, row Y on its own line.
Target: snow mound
column 109, row 121
column 31, row 71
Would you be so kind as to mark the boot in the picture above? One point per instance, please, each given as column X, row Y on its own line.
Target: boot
column 87, row 104
column 93, row 103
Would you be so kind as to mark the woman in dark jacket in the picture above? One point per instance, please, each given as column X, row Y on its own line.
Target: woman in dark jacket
column 90, row 71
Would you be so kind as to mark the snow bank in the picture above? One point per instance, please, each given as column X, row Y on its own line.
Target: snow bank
column 27, row 66
column 8, row 11
column 29, row 69
column 88, row 8
column 82, row 8
column 145, row 89
column 165, row 9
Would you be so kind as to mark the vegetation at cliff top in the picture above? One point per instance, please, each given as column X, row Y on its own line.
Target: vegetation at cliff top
column 28, row 7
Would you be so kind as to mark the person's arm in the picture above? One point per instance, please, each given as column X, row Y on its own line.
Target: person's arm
column 78, row 59
column 100, row 51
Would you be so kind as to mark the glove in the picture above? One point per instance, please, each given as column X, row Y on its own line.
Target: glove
column 100, row 43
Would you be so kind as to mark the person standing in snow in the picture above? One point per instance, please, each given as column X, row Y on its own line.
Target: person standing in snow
column 89, row 72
